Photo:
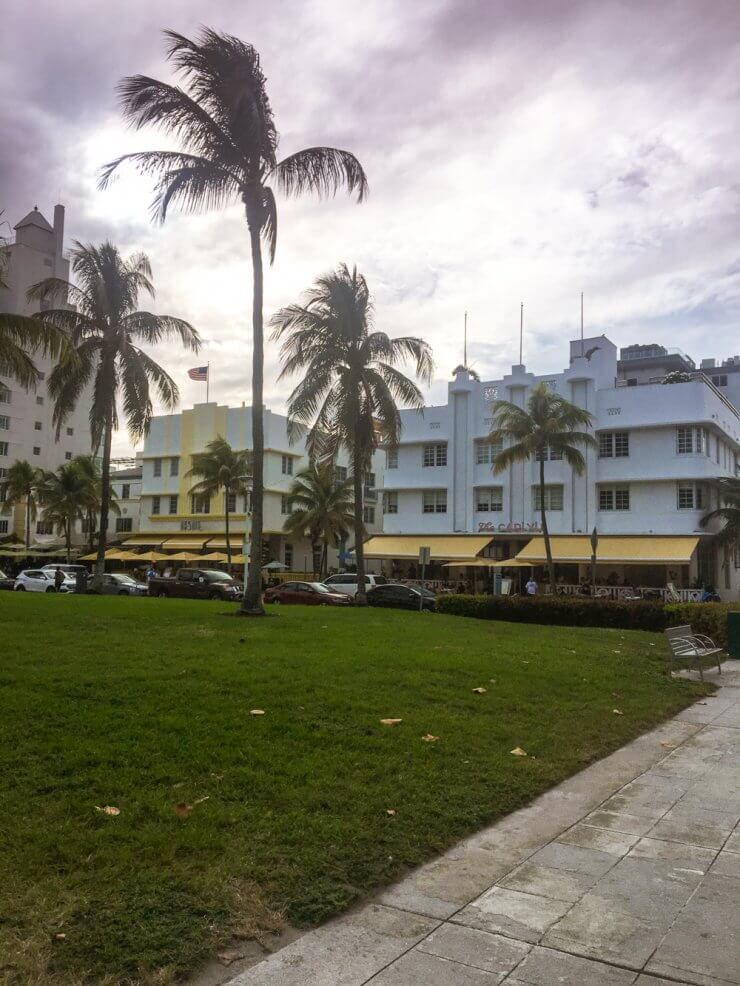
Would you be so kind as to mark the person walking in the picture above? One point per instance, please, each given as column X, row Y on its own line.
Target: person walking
column 531, row 586
column 58, row 579
column 151, row 573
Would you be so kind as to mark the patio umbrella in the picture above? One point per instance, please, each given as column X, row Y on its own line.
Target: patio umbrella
column 218, row 556
column 184, row 556
column 152, row 556
column 112, row 553
column 239, row 559
column 274, row 565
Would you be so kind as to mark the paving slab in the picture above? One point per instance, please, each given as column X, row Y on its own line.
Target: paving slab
column 545, row 967
column 693, row 858
column 547, row 881
column 727, row 864
column 733, row 842
column 695, row 826
column 480, row 949
column 575, row 859
column 422, row 969
column 620, row 821
column 509, row 912
column 590, row 837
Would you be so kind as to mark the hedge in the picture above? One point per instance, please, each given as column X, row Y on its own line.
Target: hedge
column 707, row 618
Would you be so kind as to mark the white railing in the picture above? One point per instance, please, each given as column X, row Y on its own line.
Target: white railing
column 628, row 594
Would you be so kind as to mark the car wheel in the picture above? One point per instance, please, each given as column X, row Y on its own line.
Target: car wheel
column 215, row 595
column 50, row 589
column 123, row 592
column 20, row 588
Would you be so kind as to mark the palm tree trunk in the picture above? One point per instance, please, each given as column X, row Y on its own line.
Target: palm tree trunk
column 90, row 530
column 97, row 582
column 545, row 532
column 28, row 520
column 68, row 539
column 226, row 525
column 324, row 558
column 361, row 597
column 252, row 601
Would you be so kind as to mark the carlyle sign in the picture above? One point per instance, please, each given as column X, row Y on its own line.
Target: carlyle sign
column 488, row 525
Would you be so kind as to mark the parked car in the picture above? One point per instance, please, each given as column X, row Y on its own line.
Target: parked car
column 67, row 569
column 120, row 584
column 197, row 583
column 6, row 582
column 346, row 582
column 306, row 593
column 40, row 580
column 396, row 596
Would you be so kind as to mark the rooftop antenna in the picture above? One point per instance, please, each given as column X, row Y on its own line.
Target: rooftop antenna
column 465, row 342
column 521, row 330
column 581, row 323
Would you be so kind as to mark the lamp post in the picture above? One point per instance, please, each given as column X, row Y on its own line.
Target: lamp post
column 594, row 547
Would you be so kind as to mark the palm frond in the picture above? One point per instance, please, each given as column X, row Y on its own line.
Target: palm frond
column 321, row 170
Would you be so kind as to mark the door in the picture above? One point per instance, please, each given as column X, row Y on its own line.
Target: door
column 308, row 595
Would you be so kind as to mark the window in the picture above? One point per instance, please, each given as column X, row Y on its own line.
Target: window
column 173, row 504
column 691, row 496
column 553, row 497
column 548, row 453
column 368, row 515
column 156, row 504
column 289, row 552
column 737, row 558
column 3, row 448
column 614, row 444
column 390, row 503
column 486, row 452
column 434, row 502
column 489, row 499
column 285, row 505
column 157, row 467
column 3, row 527
column 4, row 423
column 201, row 504
column 370, row 480
column 174, row 466
column 720, row 380
column 125, row 491
column 124, row 525
column 37, row 450
column 70, row 431
column 67, row 456
column 37, row 426
column 44, row 527
column 391, row 458
column 39, row 401
column 231, row 502
column 435, row 455
column 3, row 472
column 340, row 473
column 287, row 466
column 692, row 440
column 614, row 498
column 5, row 396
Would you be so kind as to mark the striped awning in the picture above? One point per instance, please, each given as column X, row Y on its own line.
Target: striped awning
column 645, row 549
column 144, row 541
column 184, row 543
column 443, row 547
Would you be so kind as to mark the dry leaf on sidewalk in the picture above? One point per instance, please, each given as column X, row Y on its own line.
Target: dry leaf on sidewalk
column 390, row 722
column 480, row 690
column 108, row 810
column 518, row 752
column 429, row 738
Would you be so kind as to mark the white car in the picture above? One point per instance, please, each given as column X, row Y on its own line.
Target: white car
column 346, row 582
column 40, row 580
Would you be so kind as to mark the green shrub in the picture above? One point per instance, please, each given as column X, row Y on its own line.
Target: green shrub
column 706, row 618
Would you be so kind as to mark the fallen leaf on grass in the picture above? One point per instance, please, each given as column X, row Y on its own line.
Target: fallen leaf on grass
column 492, row 680
column 108, row 810
column 390, row 722
column 617, row 712
column 183, row 809
column 59, row 936
column 233, row 955
column 256, row 712
column 390, row 811
column 616, row 694
column 480, row 690
column 518, row 752
column 218, row 777
column 429, row 738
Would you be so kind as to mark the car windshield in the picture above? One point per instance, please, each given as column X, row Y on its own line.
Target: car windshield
column 320, row 587
column 2, row 574
column 124, row 579
column 425, row 592
column 218, row 577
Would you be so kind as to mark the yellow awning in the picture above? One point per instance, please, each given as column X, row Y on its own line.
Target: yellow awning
column 511, row 563
column 219, row 542
column 471, row 563
column 144, row 541
column 184, row 543
column 646, row 549
column 444, row 547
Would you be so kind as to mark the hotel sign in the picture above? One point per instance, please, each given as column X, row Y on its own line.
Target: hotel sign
column 488, row 525
column 190, row 525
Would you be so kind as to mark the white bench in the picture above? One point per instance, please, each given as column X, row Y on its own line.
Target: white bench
column 693, row 646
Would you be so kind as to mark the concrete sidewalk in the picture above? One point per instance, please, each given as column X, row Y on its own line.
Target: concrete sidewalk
column 628, row 873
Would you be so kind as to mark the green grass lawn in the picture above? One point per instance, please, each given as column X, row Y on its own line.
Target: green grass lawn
column 142, row 704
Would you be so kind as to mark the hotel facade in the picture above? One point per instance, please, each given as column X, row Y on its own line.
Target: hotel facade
column 645, row 487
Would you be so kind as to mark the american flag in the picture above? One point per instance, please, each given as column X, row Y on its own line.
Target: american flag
column 199, row 373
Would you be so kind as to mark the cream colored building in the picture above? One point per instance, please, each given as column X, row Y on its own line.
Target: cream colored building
column 26, row 430
column 171, row 518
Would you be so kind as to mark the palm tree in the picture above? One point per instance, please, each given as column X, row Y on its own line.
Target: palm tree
column 351, row 382
column 727, row 510
column 21, row 485
column 224, row 121
column 105, row 330
column 549, row 426
column 321, row 507
column 222, row 468
column 66, row 497
column 89, row 467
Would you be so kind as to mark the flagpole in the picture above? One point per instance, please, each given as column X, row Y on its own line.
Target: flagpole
column 208, row 380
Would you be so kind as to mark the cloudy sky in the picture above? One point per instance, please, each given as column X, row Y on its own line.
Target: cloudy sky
column 516, row 151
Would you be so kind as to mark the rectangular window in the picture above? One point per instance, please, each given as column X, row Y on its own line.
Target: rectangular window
column 690, row 440
column 720, row 381
column 391, row 458
column 201, row 505
column 370, row 480
column 44, row 527
column 287, row 465
column 289, row 555
column 434, row 502
column 3, row 527
column 3, row 448
column 68, row 456
column 489, row 500
column 435, row 455
column 157, row 467
column 4, row 423
column 390, row 503
column 368, row 515
column 685, row 496
column 156, row 504
column 614, row 498
column 5, row 396
column 285, row 504
column 37, row 450
column 3, row 472
column 486, row 452
column 124, row 525
column 614, row 444
column 37, row 426
column 125, row 491
column 39, row 401
column 173, row 504
column 70, row 431
column 174, row 466
column 340, row 473
column 231, row 502
column 553, row 497
column 737, row 558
